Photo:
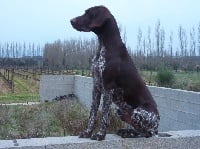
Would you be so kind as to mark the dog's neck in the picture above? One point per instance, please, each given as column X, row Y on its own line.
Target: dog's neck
column 109, row 35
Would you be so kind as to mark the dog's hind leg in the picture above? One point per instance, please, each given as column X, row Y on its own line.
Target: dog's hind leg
column 144, row 123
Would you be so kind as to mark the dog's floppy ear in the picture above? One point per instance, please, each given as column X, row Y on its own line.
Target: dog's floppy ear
column 100, row 17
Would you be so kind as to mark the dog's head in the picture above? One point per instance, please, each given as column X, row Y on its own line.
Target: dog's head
column 93, row 18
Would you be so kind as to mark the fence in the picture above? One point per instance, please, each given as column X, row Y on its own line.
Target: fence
column 8, row 75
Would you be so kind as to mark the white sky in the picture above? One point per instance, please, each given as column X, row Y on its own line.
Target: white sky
column 41, row 21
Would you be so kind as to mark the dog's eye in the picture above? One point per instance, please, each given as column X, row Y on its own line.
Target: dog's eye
column 90, row 14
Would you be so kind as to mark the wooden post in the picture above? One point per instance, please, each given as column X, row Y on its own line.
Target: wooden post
column 8, row 74
column 82, row 72
column 12, row 80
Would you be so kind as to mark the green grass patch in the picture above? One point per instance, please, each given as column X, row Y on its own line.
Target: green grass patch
column 13, row 98
column 23, row 86
column 182, row 80
column 149, row 77
column 187, row 81
column 24, row 91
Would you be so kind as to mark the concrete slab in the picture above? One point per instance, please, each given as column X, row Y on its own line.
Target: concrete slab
column 73, row 142
column 185, row 133
column 177, row 139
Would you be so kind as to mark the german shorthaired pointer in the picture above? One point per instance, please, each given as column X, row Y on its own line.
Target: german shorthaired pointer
column 116, row 78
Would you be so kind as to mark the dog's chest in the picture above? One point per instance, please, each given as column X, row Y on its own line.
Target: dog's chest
column 98, row 64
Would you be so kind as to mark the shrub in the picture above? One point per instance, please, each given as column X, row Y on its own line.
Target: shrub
column 71, row 115
column 165, row 77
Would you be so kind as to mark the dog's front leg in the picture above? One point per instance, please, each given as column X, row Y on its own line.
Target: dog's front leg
column 107, row 100
column 96, row 96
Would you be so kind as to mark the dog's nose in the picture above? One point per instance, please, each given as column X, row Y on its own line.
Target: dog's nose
column 73, row 20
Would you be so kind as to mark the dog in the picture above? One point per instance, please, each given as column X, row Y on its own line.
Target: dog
column 116, row 78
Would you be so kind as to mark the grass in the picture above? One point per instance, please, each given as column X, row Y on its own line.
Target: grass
column 24, row 90
column 13, row 98
column 46, row 119
column 149, row 77
column 187, row 81
column 183, row 80
column 60, row 118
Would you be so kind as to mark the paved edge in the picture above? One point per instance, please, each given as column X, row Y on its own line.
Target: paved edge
column 165, row 140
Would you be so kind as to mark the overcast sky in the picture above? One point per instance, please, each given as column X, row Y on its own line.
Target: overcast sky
column 41, row 21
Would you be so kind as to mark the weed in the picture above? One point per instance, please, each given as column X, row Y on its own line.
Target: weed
column 60, row 118
column 165, row 77
column 76, row 117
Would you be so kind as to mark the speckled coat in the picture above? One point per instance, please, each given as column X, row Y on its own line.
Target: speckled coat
column 116, row 79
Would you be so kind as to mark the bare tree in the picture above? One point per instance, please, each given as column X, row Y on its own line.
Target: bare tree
column 171, row 44
column 157, row 36
column 7, row 51
column 16, row 50
column 192, row 43
column 198, row 40
column 139, row 42
column 70, row 54
column 24, row 50
column 19, row 51
column 144, row 47
column 33, row 50
column 149, row 42
column 37, row 51
column 0, row 51
column 12, row 50
column 149, row 49
column 183, row 41
column 162, row 42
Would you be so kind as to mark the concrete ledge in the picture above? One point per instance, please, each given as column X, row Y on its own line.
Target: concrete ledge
column 174, row 139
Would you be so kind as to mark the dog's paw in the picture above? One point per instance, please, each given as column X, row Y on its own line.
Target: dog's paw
column 127, row 133
column 85, row 134
column 99, row 136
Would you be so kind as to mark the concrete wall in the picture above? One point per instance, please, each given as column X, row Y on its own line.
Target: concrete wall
column 177, row 140
column 179, row 110
column 83, row 89
column 52, row 86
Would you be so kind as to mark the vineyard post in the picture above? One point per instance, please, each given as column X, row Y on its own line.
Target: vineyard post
column 8, row 74
column 12, row 80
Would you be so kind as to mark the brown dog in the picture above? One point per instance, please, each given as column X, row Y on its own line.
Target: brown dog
column 116, row 78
